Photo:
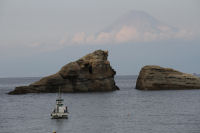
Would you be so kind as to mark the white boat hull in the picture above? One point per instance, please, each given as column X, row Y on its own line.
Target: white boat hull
column 59, row 115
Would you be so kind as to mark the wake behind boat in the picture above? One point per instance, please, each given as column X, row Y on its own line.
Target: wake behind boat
column 60, row 110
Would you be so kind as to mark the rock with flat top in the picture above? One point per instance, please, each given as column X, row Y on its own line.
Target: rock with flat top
column 159, row 78
column 88, row 74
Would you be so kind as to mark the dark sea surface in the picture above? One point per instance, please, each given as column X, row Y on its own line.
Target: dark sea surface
column 125, row 111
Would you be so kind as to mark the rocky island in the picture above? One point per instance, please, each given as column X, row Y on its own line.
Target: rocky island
column 88, row 74
column 159, row 78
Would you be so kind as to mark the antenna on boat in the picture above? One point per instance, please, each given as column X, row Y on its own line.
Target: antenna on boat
column 59, row 93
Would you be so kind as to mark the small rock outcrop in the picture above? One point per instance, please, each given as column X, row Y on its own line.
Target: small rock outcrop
column 159, row 78
column 88, row 74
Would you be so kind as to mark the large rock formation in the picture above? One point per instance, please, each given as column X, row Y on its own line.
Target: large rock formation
column 90, row 73
column 159, row 78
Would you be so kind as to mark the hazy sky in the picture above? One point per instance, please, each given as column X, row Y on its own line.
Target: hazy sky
column 34, row 35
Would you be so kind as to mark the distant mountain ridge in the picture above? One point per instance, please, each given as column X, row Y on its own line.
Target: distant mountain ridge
column 133, row 26
column 139, row 19
column 139, row 26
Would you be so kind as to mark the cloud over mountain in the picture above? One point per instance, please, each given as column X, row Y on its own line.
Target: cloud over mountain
column 134, row 26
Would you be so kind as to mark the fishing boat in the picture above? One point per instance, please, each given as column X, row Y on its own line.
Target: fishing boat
column 60, row 111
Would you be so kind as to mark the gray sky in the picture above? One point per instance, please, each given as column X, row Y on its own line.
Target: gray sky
column 27, row 24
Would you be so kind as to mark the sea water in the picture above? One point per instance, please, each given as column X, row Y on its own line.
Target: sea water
column 125, row 111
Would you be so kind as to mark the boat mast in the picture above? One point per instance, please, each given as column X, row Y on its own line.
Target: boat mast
column 58, row 101
column 59, row 94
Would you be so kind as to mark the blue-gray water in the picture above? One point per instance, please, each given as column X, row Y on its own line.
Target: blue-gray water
column 124, row 111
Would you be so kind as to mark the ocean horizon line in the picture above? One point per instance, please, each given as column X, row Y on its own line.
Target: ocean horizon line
column 9, row 77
